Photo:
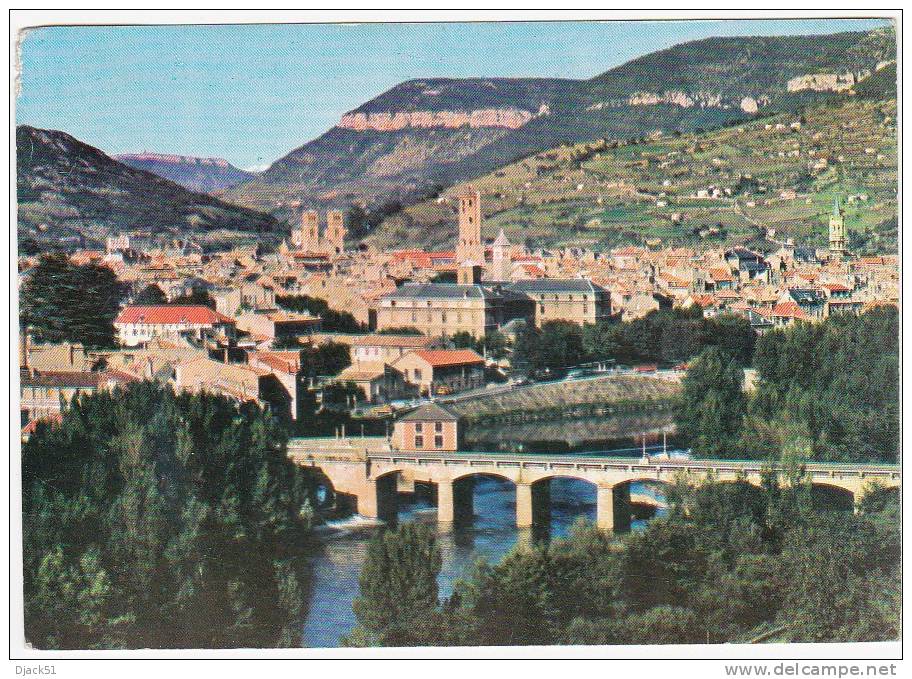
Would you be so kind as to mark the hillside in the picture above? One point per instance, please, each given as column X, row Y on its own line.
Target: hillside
column 69, row 190
column 201, row 175
column 604, row 193
column 423, row 135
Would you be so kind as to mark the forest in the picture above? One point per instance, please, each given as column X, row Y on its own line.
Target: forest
column 155, row 520
column 833, row 385
column 730, row 563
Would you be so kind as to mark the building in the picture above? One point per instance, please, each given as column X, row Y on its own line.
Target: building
column 242, row 383
column 469, row 247
column 45, row 394
column 442, row 371
column 501, row 263
column 307, row 236
column 429, row 428
column 387, row 348
column 138, row 324
column 335, row 233
column 279, row 325
column 378, row 381
column 811, row 301
column 837, row 229
column 570, row 299
column 438, row 309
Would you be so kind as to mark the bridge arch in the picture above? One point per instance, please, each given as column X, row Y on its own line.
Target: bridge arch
column 831, row 496
column 562, row 496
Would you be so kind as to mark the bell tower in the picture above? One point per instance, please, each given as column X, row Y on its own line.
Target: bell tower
column 307, row 237
column 335, row 232
column 469, row 247
column 837, row 229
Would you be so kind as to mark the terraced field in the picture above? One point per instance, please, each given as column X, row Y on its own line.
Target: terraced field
column 727, row 185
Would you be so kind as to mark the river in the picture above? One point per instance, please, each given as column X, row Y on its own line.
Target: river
column 492, row 533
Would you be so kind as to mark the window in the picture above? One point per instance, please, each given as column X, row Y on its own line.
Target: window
column 419, row 442
column 419, row 426
column 438, row 442
column 438, row 426
column 417, row 374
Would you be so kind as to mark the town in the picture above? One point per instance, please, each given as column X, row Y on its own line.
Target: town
column 404, row 308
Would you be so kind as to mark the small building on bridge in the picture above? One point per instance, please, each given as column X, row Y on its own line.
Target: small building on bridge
column 428, row 428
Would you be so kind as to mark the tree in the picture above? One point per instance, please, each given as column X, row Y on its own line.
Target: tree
column 712, row 404
column 197, row 295
column 463, row 340
column 65, row 302
column 840, row 581
column 555, row 346
column 398, row 584
column 333, row 321
column 154, row 519
column 150, row 295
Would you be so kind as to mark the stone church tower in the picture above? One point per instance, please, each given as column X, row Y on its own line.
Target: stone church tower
column 837, row 229
column 307, row 237
column 469, row 247
column 335, row 232
column 501, row 264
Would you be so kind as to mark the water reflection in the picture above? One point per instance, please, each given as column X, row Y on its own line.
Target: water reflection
column 490, row 534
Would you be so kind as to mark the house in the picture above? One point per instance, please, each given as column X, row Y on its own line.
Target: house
column 242, row 383
column 577, row 300
column 786, row 313
column 279, row 325
column 387, row 348
column 811, row 301
column 138, row 324
column 44, row 394
column 285, row 366
column 378, row 381
column 442, row 371
column 430, row 428
column 644, row 303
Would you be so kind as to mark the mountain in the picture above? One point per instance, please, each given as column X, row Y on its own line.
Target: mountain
column 424, row 135
column 731, row 185
column 68, row 190
column 201, row 175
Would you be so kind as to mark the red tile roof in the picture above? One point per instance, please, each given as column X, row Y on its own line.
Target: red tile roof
column 284, row 361
column 167, row 314
column 439, row 358
column 789, row 310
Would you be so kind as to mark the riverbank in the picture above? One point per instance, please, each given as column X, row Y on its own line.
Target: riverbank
column 580, row 398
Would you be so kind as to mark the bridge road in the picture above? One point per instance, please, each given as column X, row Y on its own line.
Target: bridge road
column 369, row 470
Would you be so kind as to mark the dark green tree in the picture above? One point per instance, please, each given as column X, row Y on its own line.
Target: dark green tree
column 398, row 596
column 150, row 295
column 712, row 404
column 64, row 302
column 158, row 520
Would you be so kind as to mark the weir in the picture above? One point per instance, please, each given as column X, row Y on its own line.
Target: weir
column 370, row 471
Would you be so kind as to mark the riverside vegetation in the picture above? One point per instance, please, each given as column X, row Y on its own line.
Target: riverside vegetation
column 730, row 563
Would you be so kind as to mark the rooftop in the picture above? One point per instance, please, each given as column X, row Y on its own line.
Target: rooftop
column 430, row 412
column 439, row 358
column 171, row 314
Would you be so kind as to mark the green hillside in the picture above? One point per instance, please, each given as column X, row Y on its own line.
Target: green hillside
column 69, row 193
column 704, row 84
column 604, row 193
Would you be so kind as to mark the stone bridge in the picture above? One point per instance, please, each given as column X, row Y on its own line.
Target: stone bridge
column 371, row 473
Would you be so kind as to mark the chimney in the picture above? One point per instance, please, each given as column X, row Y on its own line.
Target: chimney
column 72, row 354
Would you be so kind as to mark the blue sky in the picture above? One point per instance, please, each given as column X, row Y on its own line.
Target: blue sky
column 252, row 93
